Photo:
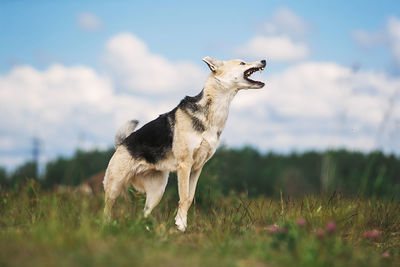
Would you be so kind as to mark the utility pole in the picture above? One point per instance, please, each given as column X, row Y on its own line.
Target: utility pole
column 386, row 117
column 35, row 154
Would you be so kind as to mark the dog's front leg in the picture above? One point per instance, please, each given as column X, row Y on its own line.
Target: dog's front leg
column 184, row 197
column 194, row 177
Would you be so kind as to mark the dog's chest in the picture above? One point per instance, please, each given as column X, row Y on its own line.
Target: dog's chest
column 206, row 148
column 207, row 142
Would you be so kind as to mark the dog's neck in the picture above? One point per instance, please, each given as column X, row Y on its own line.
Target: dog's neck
column 217, row 98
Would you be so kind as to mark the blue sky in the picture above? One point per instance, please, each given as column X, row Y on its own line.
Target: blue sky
column 179, row 30
column 69, row 71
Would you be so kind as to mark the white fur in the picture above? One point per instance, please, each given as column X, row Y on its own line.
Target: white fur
column 124, row 131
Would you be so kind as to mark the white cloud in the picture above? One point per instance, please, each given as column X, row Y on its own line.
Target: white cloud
column 316, row 105
column 286, row 22
column 280, row 40
column 393, row 29
column 388, row 37
column 89, row 22
column 368, row 39
column 61, row 105
column 132, row 66
column 273, row 48
column 53, row 104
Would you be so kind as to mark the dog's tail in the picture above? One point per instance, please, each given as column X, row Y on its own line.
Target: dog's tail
column 124, row 131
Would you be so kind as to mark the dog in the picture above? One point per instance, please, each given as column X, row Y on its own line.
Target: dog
column 181, row 140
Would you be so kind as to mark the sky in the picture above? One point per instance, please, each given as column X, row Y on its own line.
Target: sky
column 72, row 72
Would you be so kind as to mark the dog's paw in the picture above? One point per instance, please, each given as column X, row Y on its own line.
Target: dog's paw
column 180, row 227
column 180, row 223
column 146, row 213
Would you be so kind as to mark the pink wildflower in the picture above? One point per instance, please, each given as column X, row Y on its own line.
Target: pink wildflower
column 273, row 228
column 331, row 227
column 385, row 254
column 368, row 235
column 301, row 221
column 375, row 234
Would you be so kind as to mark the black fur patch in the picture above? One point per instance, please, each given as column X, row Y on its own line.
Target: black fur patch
column 190, row 103
column 153, row 141
column 197, row 124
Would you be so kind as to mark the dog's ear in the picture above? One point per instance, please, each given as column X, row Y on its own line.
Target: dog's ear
column 212, row 63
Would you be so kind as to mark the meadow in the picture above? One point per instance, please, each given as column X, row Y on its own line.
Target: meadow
column 45, row 228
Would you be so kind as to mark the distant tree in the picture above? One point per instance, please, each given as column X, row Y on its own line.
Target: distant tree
column 4, row 181
column 26, row 171
column 73, row 171
column 246, row 170
column 55, row 172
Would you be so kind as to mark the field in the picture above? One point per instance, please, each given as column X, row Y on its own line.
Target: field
column 40, row 228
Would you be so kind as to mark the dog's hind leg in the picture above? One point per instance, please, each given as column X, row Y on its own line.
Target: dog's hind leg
column 154, row 184
column 118, row 174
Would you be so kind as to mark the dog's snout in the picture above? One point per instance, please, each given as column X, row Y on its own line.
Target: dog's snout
column 263, row 62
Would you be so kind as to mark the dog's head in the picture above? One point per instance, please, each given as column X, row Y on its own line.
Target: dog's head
column 234, row 74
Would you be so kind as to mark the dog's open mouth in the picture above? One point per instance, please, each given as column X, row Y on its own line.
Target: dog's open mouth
column 250, row 71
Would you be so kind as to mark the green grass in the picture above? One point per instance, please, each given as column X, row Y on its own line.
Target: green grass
column 40, row 228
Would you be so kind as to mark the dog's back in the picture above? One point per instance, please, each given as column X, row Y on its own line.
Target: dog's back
column 152, row 141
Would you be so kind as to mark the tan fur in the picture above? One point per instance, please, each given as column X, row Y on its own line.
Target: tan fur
column 190, row 149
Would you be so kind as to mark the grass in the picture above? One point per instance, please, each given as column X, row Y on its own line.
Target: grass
column 40, row 228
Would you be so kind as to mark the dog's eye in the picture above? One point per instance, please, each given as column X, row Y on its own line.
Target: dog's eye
column 242, row 63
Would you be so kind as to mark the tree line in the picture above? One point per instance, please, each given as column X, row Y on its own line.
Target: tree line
column 245, row 170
